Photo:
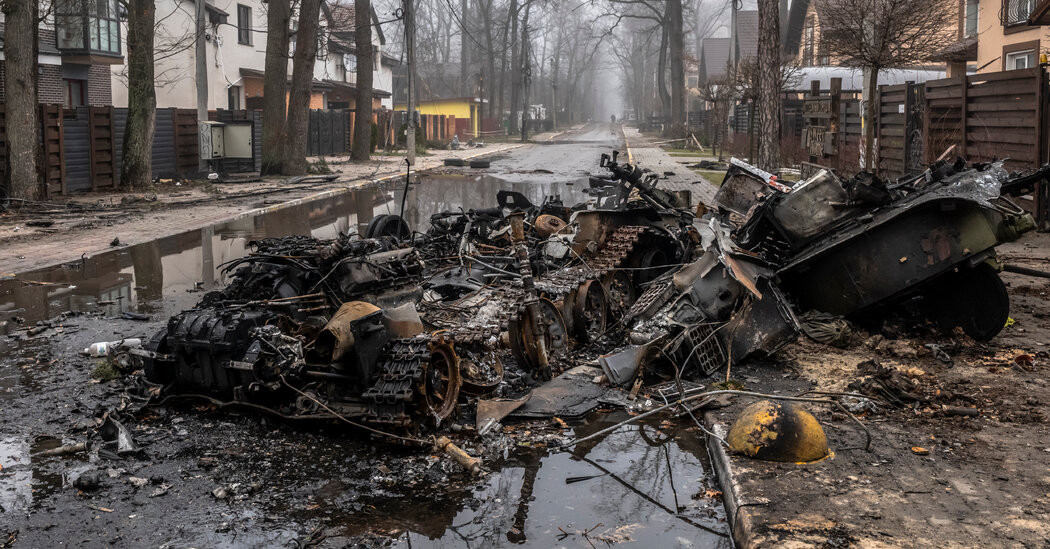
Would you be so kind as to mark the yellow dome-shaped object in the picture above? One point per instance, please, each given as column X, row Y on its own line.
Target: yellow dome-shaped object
column 778, row 432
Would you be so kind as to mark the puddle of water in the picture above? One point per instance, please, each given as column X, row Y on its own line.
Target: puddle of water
column 133, row 278
column 644, row 496
column 647, row 489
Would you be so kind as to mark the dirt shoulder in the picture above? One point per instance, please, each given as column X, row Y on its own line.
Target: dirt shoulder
column 984, row 480
column 85, row 224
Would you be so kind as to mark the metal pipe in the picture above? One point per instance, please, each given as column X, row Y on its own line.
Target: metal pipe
column 1026, row 271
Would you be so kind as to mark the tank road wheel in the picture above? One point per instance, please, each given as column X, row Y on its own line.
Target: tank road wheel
column 589, row 311
column 440, row 384
column 523, row 340
column 973, row 299
column 620, row 294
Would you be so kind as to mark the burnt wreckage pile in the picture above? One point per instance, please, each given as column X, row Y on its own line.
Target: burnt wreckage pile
column 403, row 330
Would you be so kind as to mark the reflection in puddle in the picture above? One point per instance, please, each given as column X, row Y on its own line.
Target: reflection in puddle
column 640, row 486
column 641, row 489
column 130, row 278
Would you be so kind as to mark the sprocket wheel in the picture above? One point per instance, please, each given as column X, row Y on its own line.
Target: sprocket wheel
column 439, row 387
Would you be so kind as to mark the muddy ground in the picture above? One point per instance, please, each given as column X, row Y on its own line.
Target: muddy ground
column 213, row 477
column 985, row 479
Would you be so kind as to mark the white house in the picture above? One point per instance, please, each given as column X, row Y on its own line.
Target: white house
column 236, row 56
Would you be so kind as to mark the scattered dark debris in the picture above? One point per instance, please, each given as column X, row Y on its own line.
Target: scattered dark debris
column 399, row 333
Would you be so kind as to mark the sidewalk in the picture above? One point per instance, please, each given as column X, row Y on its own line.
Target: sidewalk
column 641, row 152
column 171, row 209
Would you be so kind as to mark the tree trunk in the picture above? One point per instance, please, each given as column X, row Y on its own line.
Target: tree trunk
column 661, row 75
column 22, row 112
column 869, row 121
column 136, row 167
column 768, row 156
column 515, row 64
column 362, row 146
column 676, row 41
column 275, row 86
column 302, row 81
column 465, row 88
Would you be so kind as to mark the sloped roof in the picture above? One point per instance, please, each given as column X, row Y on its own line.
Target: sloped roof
column 853, row 78
column 747, row 33
column 340, row 16
column 796, row 22
column 715, row 57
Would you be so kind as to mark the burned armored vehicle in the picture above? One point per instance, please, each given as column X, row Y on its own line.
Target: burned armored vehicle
column 406, row 330
column 863, row 246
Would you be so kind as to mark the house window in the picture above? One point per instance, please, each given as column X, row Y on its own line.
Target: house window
column 972, row 8
column 1017, row 11
column 244, row 25
column 1020, row 60
column 88, row 25
column 349, row 68
column 75, row 91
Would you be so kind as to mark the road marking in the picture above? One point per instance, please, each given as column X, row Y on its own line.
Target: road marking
column 627, row 143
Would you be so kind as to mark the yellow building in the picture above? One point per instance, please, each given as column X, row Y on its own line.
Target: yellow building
column 467, row 111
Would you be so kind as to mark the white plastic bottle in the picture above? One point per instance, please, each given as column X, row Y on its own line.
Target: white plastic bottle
column 106, row 348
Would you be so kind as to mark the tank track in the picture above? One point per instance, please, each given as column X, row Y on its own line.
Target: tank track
column 399, row 374
column 554, row 286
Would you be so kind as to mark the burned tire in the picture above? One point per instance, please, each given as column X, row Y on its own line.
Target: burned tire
column 454, row 162
column 387, row 225
column 973, row 299
column 480, row 164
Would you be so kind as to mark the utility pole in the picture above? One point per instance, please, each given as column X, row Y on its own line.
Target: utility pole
column 526, row 75
column 733, row 53
column 410, row 55
column 201, row 56
column 554, row 94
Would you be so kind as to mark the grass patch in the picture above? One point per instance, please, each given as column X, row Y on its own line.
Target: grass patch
column 105, row 370
column 714, row 176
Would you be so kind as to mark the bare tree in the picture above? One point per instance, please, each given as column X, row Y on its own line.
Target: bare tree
column 302, row 83
column 676, row 47
column 136, row 167
column 769, row 90
column 22, row 114
column 362, row 144
column 275, row 86
column 721, row 93
column 884, row 34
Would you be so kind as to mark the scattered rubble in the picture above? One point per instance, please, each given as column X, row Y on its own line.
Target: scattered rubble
column 409, row 335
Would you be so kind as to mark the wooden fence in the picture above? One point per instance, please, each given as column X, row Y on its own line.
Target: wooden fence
column 983, row 116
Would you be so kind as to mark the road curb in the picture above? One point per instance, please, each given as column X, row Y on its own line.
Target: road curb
column 738, row 514
column 350, row 186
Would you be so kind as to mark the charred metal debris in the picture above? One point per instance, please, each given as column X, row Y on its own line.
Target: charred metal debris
column 401, row 332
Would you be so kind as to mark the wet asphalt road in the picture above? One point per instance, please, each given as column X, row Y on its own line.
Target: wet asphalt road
column 220, row 477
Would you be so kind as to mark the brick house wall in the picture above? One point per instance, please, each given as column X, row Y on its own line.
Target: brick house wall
column 50, row 88
column 100, row 86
